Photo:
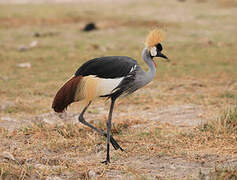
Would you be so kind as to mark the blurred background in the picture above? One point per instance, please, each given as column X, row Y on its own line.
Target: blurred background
column 43, row 42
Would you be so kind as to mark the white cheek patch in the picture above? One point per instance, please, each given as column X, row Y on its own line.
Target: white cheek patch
column 153, row 51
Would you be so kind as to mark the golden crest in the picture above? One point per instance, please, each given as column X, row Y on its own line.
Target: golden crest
column 154, row 37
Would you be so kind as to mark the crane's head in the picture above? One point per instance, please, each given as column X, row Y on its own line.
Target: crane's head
column 153, row 43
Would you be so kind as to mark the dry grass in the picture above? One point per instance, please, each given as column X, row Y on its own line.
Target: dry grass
column 226, row 124
column 201, row 46
column 224, row 174
column 67, row 150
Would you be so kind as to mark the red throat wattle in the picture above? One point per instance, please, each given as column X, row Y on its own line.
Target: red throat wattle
column 155, row 63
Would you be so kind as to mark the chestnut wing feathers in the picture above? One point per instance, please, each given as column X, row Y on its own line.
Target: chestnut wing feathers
column 107, row 67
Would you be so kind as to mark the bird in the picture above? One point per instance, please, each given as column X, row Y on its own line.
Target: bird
column 110, row 77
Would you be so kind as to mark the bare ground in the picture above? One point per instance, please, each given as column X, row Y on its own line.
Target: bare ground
column 181, row 117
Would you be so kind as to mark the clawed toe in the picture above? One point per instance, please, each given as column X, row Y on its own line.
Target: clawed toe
column 105, row 162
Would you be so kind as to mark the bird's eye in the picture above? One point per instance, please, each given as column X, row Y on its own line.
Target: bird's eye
column 159, row 47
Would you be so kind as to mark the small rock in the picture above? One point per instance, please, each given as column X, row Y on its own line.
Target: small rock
column 90, row 27
column 24, row 65
column 33, row 44
column 7, row 155
column 23, row 48
column 91, row 174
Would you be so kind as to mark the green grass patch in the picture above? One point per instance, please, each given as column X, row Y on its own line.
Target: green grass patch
column 226, row 123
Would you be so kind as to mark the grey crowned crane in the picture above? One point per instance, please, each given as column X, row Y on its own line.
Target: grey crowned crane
column 109, row 77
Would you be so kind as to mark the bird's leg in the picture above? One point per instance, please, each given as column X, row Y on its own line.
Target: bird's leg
column 109, row 130
column 83, row 121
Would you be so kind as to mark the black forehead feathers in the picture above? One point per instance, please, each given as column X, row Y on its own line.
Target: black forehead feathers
column 159, row 47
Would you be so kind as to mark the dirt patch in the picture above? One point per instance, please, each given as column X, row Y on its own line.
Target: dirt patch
column 182, row 115
column 12, row 123
column 177, row 167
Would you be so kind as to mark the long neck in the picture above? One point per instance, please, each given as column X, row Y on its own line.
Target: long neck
column 150, row 74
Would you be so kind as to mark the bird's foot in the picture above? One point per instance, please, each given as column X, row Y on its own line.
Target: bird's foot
column 107, row 161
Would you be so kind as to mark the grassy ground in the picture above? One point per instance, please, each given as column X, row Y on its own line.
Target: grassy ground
column 201, row 43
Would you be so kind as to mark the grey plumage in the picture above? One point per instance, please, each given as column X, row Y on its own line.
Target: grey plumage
column 136, row 78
